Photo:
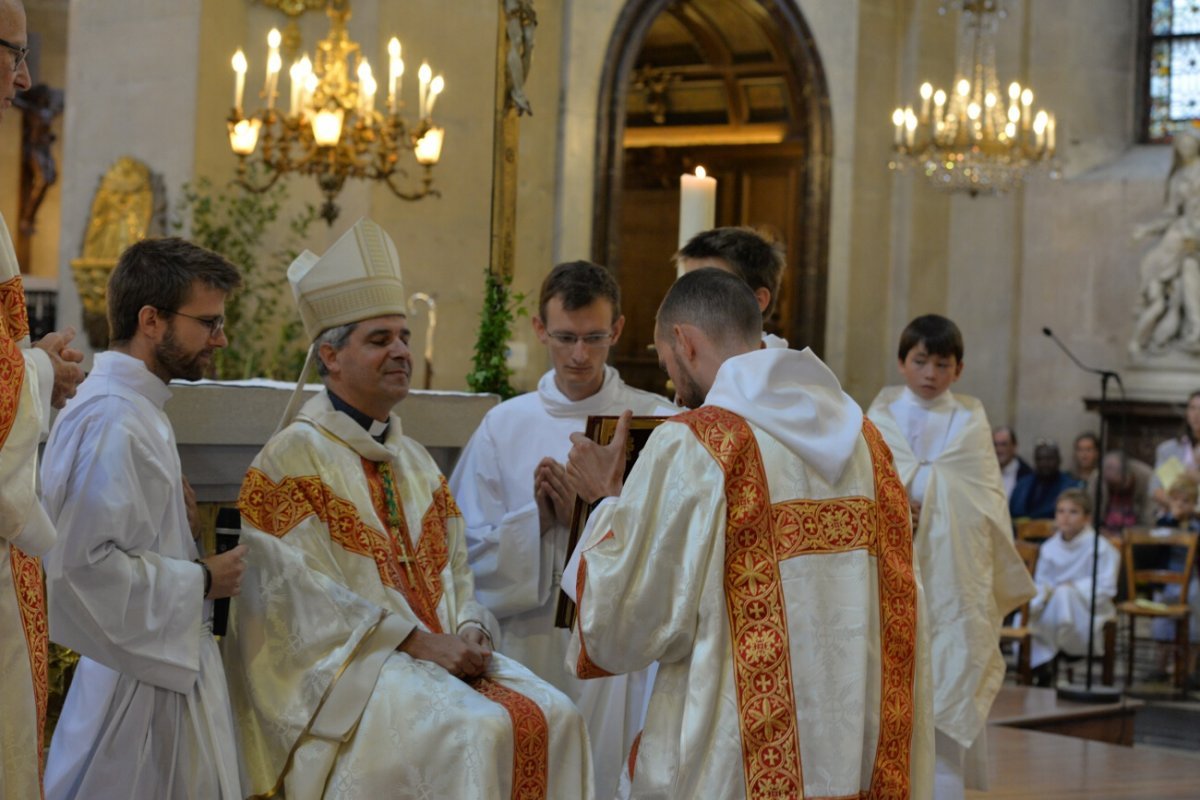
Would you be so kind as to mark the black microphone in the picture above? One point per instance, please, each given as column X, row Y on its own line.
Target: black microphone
column 229, row 525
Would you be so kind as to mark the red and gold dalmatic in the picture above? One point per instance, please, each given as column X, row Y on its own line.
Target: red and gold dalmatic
column 355, row 544
column 784, row 616
column 23, row 640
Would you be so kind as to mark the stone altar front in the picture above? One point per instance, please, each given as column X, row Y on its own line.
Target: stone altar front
column 221, row 425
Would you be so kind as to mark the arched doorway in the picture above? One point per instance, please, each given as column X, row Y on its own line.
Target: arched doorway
column 736, row 86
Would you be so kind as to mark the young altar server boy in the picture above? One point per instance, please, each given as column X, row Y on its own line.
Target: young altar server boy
column 1058, row 615
column 962, row 540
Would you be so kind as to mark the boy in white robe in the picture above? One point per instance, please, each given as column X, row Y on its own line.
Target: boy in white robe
column 147, row 716
column 1058, row 615
column 511, row 486
column 943, row 451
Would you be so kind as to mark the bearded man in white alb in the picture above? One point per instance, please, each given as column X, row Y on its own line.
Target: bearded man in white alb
column 516, row 501
column 761, row 552
column 147, row 716
column 360, row 663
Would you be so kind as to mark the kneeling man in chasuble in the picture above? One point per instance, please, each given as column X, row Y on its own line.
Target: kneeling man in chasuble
column 511, row 485
column 761, row 552
column 360, row 663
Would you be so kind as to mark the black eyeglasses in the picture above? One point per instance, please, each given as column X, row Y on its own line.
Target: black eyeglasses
column 21, row 52
column 214, row 324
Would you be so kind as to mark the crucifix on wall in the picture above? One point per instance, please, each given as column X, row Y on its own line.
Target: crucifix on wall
column 514, row 50
column 39, row 106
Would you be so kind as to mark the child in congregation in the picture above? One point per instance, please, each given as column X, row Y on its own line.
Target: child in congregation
column 1182, row 498
column 941, row 443
column 1060, row 611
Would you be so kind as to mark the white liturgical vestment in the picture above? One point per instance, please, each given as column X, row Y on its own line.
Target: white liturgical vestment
column 970, row 570
column 761, row 552
column 26, row 383
column 1060, row 611
column 354, row 544
column 517, row 570
column 147, row 715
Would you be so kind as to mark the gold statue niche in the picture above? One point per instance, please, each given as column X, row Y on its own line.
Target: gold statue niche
column 128, row 207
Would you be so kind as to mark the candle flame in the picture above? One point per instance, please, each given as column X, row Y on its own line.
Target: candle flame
column 273, row 38
column 700, row 173
column 394, row 47
column 239, row 61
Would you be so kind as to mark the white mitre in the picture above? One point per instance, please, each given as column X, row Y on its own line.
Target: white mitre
column 358, row 278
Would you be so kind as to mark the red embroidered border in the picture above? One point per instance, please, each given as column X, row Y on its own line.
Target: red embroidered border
column 13, row 311
column 757, row 612
column 755, row 543
column 31, row 598
column 12, row 379
column 277, row 508
column 531, row 739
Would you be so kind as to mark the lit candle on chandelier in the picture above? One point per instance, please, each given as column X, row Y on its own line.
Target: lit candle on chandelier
column 239, row 69
column 424, row 76
column 395, row 72
column 366, row 88
column 435, row 88
column 274, row 65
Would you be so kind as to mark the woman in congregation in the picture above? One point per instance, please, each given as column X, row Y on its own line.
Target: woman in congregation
column 1182, row 449
column 1087, row 460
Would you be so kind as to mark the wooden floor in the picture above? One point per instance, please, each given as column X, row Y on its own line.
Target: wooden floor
column 1031, row 764
column 1042, row 710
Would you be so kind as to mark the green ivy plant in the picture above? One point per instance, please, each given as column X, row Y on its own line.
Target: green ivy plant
column 501, row 306
column 266, row 338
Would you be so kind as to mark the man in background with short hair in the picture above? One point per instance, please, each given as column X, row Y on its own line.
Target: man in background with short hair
column 745, row 253
column 1012, row 466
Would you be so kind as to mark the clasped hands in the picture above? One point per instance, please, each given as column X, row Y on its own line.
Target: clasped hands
column 465, row 655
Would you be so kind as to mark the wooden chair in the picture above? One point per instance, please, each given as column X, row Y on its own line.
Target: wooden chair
column 1035, row 530
column 1021, row 634
column 1144, row 580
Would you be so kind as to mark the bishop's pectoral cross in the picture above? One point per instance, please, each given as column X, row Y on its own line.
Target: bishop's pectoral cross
column 395, row 521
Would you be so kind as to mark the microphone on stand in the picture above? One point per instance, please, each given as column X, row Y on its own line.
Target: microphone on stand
column 1087, row 693
column 1104, row 373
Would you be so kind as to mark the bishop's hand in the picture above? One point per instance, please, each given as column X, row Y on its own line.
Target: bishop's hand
column 554, row 493
column 598, row 471
column 458, row 655
column 65, row 361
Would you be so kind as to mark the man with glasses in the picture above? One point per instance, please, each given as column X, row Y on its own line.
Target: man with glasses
column 148, row 712
column 32, row 380
column 512, row 487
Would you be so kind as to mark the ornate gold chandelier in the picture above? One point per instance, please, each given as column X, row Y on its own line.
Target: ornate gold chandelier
column 332, row 129
column 975, row 138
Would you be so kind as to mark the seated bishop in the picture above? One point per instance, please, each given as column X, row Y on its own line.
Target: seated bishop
column 511, row 484
column 360, row 663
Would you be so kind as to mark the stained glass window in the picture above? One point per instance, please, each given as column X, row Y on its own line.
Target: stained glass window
column 1173, row 74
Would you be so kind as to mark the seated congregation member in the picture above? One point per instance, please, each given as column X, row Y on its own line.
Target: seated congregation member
column 963, row 540
column 516, row 501
column 745, row 253
column 1125, row 495
column 1181, row 514
column 761, row 552
column 1036, row 494
column 1185, row 449
column 360, row 663
column 147, row 715
column 1087, row 461
column 1059, row 613
column 1012, row 467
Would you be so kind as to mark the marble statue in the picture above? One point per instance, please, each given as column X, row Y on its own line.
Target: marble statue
column 1168, row 311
